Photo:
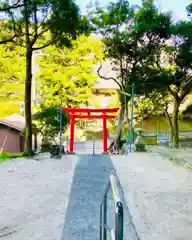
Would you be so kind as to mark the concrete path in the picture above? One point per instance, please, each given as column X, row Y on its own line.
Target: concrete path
column 89, row 182
column 159, row 196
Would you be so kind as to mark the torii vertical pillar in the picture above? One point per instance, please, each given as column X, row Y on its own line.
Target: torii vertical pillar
column 104, row 133
column 72, row 130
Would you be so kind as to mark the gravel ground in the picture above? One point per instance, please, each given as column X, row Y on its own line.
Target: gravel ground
column 181, row 156
column 34, row 197
column 158, row 194
column 53, row 199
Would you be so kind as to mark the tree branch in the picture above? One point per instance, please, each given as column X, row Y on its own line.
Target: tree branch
column 35, row 25
column 173, row 93
column 44, row 46
column 14, row 6
column 107, row 78
column 8, row 40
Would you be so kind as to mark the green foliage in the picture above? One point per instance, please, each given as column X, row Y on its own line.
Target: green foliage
column 48, row 121
column 25, row 25
column 105, row 20
column 151, row 104
column 12, row 63
column 67, row 75
column 12, row 77
column 8, row 107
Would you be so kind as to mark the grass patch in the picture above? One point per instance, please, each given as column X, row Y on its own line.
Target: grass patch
column 5, row 156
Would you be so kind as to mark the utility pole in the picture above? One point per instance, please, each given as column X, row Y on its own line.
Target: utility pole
column 35, row 70
column 132, row 115
column 61, row 126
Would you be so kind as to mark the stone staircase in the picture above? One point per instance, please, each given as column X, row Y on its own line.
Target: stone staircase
column 89, row 147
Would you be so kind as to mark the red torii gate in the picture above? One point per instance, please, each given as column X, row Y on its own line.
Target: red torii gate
column 74, row 113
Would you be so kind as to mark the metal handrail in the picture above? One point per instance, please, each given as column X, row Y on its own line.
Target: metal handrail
column 117, row 232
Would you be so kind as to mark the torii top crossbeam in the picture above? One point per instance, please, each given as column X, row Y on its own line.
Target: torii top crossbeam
column 89, row 110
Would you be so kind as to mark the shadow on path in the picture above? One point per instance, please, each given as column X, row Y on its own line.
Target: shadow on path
column 89, row 182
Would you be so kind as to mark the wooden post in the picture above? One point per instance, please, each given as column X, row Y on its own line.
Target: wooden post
column 72, row 131
column 104, row 133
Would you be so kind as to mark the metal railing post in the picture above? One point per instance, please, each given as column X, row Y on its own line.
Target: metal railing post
column 103, row 230
column 93, row 146
column 119, row 221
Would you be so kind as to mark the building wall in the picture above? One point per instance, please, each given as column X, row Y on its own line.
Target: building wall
column 9, row 139
column 22, row 143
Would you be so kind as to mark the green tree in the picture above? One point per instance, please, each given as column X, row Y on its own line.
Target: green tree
column 67, row 75
column 28, row 23
column 131, row 36
column 109, row 22
column 172, row 66
column 48, row 121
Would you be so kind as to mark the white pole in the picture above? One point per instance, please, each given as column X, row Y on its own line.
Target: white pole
column 2, row 146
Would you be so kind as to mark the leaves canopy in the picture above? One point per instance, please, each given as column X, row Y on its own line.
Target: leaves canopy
column 67, row 75
column 48, row 121
column 30, row 20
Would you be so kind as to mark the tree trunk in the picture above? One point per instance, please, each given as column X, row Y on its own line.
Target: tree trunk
column 175, row 137
column 28, row 119
column 170, row 125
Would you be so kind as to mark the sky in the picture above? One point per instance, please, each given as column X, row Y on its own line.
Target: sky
column 175, row 6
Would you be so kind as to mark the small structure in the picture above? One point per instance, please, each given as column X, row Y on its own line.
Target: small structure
column 74, row 113
column 10, row 130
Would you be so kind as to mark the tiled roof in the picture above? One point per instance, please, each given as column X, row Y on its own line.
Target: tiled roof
column 14, row 121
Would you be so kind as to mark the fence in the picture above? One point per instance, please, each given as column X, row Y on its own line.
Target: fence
column 161, row 137
column 117, row 231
